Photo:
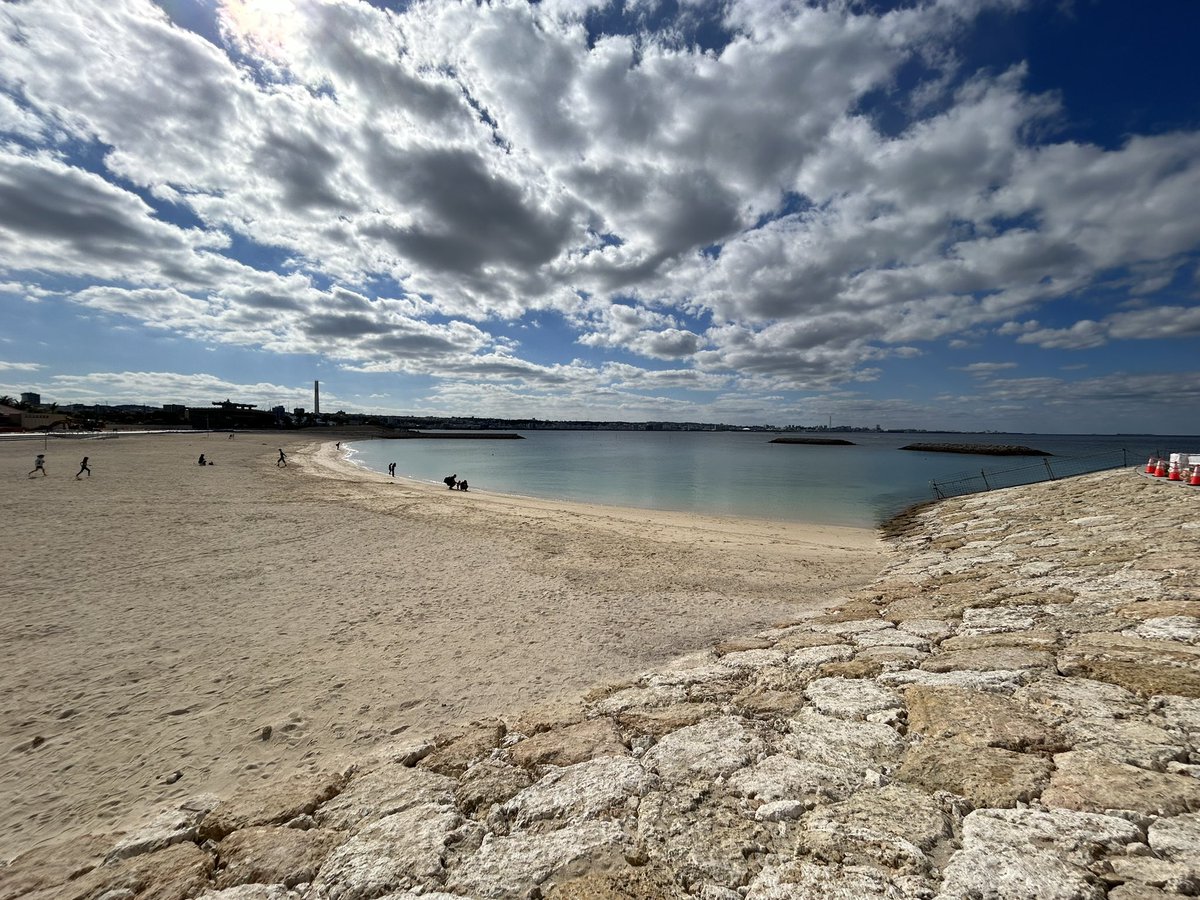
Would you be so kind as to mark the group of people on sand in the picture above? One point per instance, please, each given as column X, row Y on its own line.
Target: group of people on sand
column 452, row 482
column 39, row 465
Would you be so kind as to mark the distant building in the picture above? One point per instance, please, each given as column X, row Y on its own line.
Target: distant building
column 298, row 411
column 31, row 398
column 175, row 409
column 224, row 414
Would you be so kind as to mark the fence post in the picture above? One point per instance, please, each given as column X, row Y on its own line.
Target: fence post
column 1049, row 470
column 983, row 475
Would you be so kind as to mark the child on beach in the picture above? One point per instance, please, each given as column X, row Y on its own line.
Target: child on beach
column 39, row 463
column 83, row 467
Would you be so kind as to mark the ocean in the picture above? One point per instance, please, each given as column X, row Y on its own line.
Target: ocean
column 734, row 473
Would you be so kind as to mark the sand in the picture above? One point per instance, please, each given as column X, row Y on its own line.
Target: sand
column 157, row 616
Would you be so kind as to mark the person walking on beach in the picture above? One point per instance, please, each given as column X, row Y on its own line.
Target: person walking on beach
column 39, row 463
column 392, row 469
column 282, row 461
column 83, row 467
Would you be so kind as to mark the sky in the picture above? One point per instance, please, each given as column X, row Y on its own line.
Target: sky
column 959, row 214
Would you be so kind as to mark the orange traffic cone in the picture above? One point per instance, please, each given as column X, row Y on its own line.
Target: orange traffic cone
column 1173, row 475
column 1160, row 470
column 1150, row 466
column 1194, row 481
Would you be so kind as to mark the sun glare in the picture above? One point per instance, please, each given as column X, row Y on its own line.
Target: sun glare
column 267, row 25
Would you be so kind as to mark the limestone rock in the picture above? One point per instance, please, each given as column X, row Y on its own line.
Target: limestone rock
column 737, row 645
column 811, row 657
column 848, row 698
column 895, row 828
column 1145, row 667
column 1184, row 629
column 990, row 720
column 253, row 892
column 1078, row 837
column 1011, row 875
column 179, row 871
column 172, row 826
column 596, row 788
column 986, row 776
column 709, row 843
column 712, row 748
column 488, row 783
column 988, row 659
column 569, row 745
column 642, row 882
column 373, row 795
column 1135, row 742
column 663, row 720
column 399, row 851
column 1001, row 681
column 271, row 803
column 1177, row 838
column 1151, row 872
column 798, row 880
column 1085, row 780
column 1029, row 640
column 1063, row 699
column 264, row 854
column 641, row 697
column 759, row 701
column 471, row 743
column 510, row 866
column 802, row 638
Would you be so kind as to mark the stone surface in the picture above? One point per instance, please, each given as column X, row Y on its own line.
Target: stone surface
column 488, row 783
column 179, row 871
column 715, row 747
column 569, row 745
column 457, row 751
column 399, row 851
column 1085, row 780
column 597, row 788
column 271, row 803
column 373, row 795
column 990, row 720
column 986, row 776
column 266, row 854
column 850, row 698
column 509, row 866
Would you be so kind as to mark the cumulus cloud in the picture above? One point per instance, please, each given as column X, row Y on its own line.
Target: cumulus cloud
column 391, row 189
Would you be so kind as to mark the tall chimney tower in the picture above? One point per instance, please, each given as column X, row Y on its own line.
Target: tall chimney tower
column 316, row 398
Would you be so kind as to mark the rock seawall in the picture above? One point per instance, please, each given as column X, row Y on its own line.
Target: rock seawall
column 1011, row 711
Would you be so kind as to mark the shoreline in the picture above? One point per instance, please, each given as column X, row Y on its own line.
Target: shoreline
column 164, row 616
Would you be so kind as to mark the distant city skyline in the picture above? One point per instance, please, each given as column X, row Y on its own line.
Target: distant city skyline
column 942, row 214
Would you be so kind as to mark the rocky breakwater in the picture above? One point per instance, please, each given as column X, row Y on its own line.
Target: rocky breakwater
column 1011, row 711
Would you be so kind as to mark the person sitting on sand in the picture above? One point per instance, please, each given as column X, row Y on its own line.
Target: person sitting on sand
column 201, row 461
column 450, row 481
column 83, row 467
column 39, row 463
column 462, row 485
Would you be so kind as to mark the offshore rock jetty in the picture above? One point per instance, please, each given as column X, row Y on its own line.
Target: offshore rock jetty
column 1012, row 710
column 979, row 449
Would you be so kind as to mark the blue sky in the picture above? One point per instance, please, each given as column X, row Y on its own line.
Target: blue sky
column 968, row 214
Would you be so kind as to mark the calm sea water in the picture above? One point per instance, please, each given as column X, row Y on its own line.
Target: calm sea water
column 732, row 473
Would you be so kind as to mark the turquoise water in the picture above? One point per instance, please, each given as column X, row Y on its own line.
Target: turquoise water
column 730, row 473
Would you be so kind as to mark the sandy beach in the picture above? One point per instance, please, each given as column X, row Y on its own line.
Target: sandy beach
column 158, row 617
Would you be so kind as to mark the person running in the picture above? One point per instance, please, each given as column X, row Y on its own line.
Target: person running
column 83, row 467
column 282, row 461
column 392, row 469
column 39, row 464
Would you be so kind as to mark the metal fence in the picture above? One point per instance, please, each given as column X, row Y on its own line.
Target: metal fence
column 1048, row 468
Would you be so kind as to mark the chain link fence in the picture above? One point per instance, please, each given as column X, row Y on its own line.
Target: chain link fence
column 1045, row 469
